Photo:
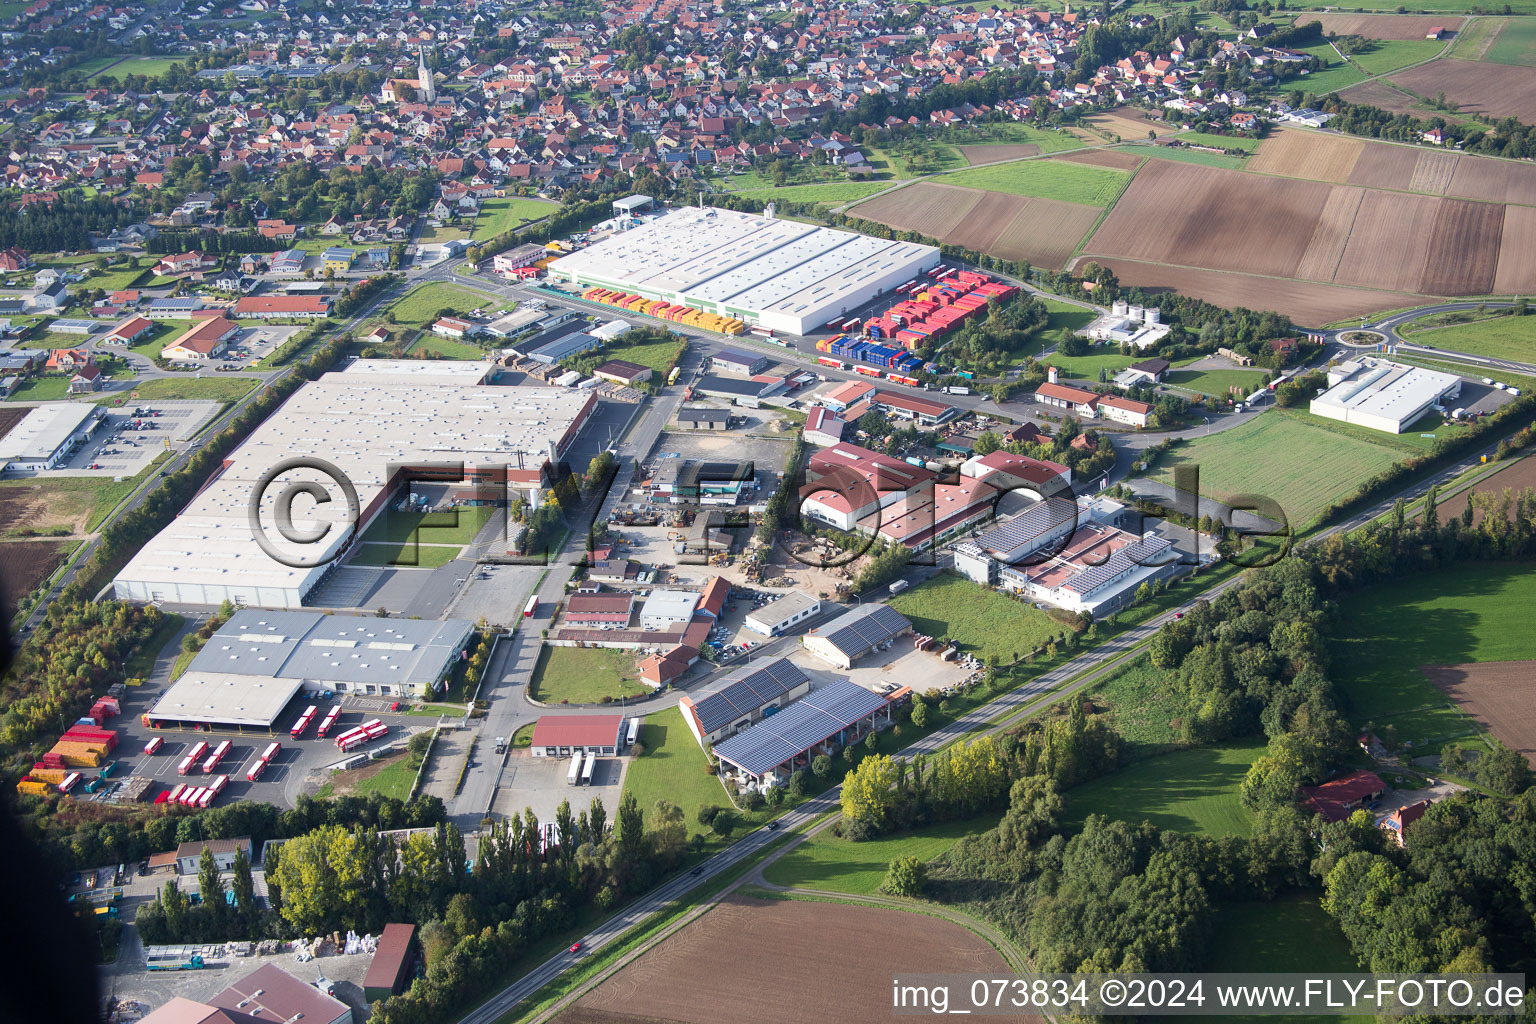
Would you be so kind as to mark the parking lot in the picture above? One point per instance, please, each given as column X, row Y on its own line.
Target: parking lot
column 125, row 443
column 539, row 783
column 253, row 344
column 767, row 454
column 285, row 776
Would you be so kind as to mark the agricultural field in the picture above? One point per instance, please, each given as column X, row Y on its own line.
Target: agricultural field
column 1183, row 156
column 1514, row 44
column 1217, row 382
column 1380, row 26
column 999, row 153
column 830, row 192
column 1338, row 73
column 77, row 504
column 827, row 861
column 1515, row 476
column 1304, row 468
column 987, row 624
column 585, row 675
column 1319, row 232
column 1191, row 790
column 1476, row 87
column 24, row 564
column 1046, row 179
column 1454, row 617
column 1390, row 55
column 786, row 978
column 420, row 305
column 985, row 134
column 1128, row 123
column 1499, row 696
column 1043, row 231
column 1306, row 302
column 503, row 214
column 1504, row 337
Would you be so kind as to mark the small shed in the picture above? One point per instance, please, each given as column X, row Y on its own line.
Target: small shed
column 391, row 966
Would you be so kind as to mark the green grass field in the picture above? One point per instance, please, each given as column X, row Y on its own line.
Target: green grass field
column 673, row 768
column 414, row 556
column 1143, row 702
column 212, row 388
column 1183, row 156
column 655, row 354
column 1515, row 43
column 456, row 526
column 82, row 499
column 394, row 780
column 152, row 67
column 1412, row 441
column 1289, row 934
column 1012, row 133
column 447, row 348
column 1391, row 54
column 420, row 305
column 1337, row 73
column 1065, row 314
column 985, row 622
column 826, row 861
column 41, row 389
column 1087, row 367
column 1243, row 142
column 499, row 215
column 1504, row 337
column 1467, row 614
column 1302, row 467
column 585, row 675
column 1218, row 382
column 832, row 192
column 164, row 333
column 1047, row 179
column 1194, row 790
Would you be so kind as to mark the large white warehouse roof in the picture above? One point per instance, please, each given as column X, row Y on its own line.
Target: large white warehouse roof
column 368, row 425
column 1382, row 395
column 781, row 274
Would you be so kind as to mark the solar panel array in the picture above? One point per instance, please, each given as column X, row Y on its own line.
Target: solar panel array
column 1118, row 564
column 1038, row 520
column 746, row 691
column 799, row 727
column 865, row 628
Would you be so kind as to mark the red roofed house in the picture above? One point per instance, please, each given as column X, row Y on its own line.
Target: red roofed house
column 186, row 263
column 68, row 358
column 313, row 306
column 823, row 427
column 712, row 601
column 86, row 379
column 598, row 610
column 1398, row 821
column 1089, row 404
column 564, row 735
column 127, row 297
column 1338, row 798
column 130, row 331
column 14, row 259
column 1006, row 470
column 205, row 341
column 660, row 670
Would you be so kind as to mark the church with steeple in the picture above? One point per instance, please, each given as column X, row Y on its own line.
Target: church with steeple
column 423, row 86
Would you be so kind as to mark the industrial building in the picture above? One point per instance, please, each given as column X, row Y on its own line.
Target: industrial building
column 856, row 633
column 551, row 350
column 742, row 364
column 373, row 421
column 205, row 341
column 1383, row 395
column 687, row 482
column 745, row 696
column 781, row 275
column 823, row 427
column 779, row 615
column 1125, row 324
column 564, row 735
column 857, row 490
column 664, row 609
column 1097, row 570
column 260, row 660
column 823, row 722
column 268, row 993
column 48, row 435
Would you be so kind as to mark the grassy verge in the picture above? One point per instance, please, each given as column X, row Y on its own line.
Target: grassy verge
column 826, row 861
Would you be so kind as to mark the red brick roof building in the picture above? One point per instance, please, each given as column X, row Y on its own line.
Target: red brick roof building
column 1338, row 798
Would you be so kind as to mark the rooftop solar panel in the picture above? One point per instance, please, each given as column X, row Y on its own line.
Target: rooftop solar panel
column 799, row 727
column 746, row 691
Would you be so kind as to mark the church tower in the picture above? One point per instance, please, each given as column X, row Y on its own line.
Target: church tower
column 427, row 87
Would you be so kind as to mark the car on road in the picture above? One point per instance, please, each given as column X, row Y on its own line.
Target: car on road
column 394, row 705
column 697, row 871
column 774, row 826
column 575, row 947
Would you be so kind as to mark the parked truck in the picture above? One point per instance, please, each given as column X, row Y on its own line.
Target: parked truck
column 898, row 587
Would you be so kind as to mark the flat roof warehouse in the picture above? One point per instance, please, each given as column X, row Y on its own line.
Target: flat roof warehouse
column 784, row 275
column 369, row 421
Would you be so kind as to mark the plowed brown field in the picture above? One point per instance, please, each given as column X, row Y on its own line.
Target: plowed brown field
column 1463, row 248
column 1385, row 166
column 1516, row 476
column 1297, row 154
column 1499, row 695
column 1381, row 26
column 925, row 207
column 1321, row 259
column 1379, row 94
column 992, row 154
column 1304, row 301
column 1043, row 231
column 1433, row 172
column 1390, row 242
column 1517, row 253
column 1499, row 90
column 784, row 961
column 1498, row 181
column 23, row 565
column 1128, row 123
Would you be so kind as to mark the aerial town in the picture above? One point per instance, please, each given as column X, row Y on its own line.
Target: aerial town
column 504, row 507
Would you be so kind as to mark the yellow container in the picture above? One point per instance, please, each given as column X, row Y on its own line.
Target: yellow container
column 33, row 787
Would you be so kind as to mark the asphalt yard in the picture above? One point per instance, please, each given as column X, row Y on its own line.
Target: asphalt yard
column 119, row 449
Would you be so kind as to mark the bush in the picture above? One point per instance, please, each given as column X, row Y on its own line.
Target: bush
column 821, row 766
column 707, row 813
column 906, row 877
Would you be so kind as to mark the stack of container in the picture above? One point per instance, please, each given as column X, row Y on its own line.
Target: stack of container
column 941, row 307
column 665, row 311
column 84, row 745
